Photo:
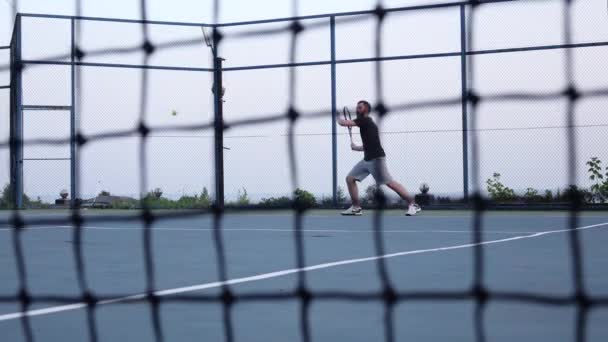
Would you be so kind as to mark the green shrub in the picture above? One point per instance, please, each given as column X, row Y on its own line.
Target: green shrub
column 304, row 199
column 279, row 202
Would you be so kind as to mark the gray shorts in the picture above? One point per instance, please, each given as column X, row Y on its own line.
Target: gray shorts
column 376, row 167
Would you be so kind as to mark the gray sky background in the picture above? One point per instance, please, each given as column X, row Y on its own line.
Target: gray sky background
column 110, row 97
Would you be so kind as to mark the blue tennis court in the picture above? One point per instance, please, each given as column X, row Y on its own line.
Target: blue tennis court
column 524, row 252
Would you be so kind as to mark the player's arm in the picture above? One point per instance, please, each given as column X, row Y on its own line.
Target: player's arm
column 346, row 123
column 356, row 147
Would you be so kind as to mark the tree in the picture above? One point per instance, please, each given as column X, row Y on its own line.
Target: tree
column 497, row 190
column 573, row 194
column 424, row 188
column 205, row 199
column 599, row 190
column 369, row 196
column 242, row 198
column 532, row 195
column 157, row 193
column 341, row 196
column 6, row 201
column 7, row 197
column 372, row 194
column 548, row 196
column 424, row 198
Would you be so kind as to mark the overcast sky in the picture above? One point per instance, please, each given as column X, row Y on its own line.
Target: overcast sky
column 530, row 154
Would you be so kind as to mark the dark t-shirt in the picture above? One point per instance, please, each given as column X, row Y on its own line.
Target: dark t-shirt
column 371, row 139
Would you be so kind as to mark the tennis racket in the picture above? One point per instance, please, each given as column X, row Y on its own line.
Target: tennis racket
column 347, row 116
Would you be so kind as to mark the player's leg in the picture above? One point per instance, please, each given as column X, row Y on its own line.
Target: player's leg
column 382, row 176
column 412, row 207
column 400, row 190
column 353, row 190
column 358, row 173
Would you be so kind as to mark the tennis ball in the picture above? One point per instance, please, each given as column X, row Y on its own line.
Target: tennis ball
column 174, row 112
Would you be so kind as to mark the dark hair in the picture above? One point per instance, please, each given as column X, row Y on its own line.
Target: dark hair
column 369, row 107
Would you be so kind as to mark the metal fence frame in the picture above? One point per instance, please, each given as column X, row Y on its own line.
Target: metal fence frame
column 17, row 64
column 7, row 87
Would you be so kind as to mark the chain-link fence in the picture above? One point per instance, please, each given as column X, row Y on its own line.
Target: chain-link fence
column 423, row 53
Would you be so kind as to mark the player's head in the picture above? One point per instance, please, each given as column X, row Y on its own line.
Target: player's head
column 363, row 108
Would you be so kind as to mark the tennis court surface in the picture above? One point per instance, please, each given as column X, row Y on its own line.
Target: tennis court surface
column 345, row 297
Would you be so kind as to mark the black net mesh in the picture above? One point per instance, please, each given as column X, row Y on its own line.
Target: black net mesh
column 471, row 100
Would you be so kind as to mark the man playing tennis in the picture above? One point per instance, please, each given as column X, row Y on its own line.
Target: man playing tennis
column 374, row 162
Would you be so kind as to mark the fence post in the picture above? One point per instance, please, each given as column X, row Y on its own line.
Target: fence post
column 465, row 128
column 334, row 138
column 16, row 118
column 73, row 181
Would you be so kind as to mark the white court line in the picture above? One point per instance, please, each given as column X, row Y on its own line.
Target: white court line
column 283, row 230
column 263, row 276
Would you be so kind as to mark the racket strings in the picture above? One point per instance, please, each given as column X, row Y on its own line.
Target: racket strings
column 347, row 116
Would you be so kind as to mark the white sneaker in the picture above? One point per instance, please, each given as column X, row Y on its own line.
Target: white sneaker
column 353, row 211
column 411, row 210
column 418, row 209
